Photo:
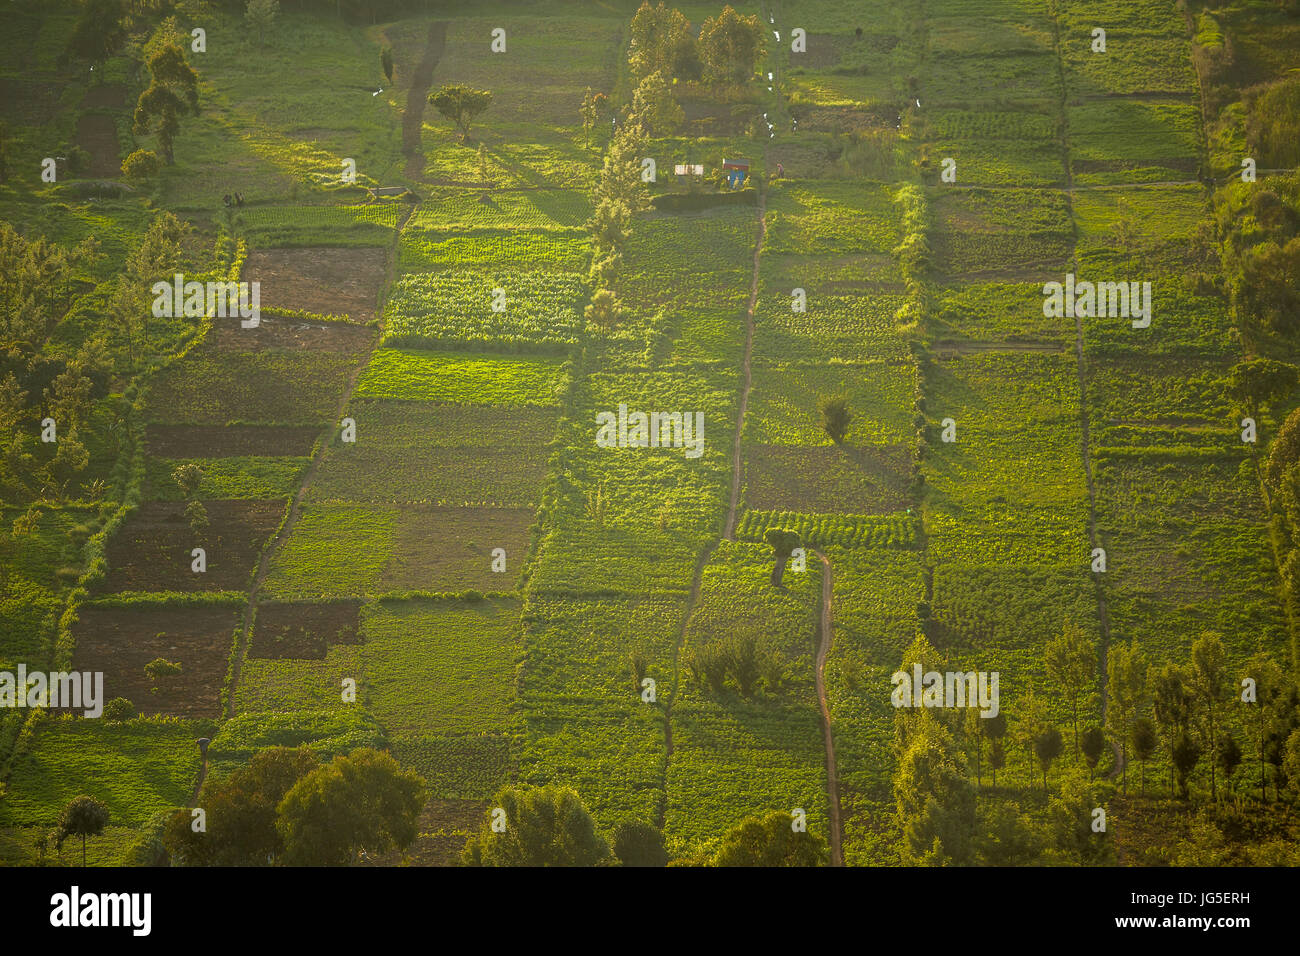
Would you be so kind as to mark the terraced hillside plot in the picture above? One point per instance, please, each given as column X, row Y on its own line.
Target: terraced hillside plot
column 1016, row 425
column 320, row 280
column 968, row 316
column 507, row 252
column 1023, row 232
column 152, row 549
column 864, row 479
column 120, row 641
column 423, row 668
column 438, row 454
column 441, row 667
column 455, row 549
column 739, row 751
column 549, row 210
column 291, row 334
column 267, row 227
column 847, row 326
column 783, row 403
column 586, row 556
column 874, row 606
column 214, row 387
column 996, row 147
column 585, row 719
column 829, row 219
column 1147, row 50
column 463, row 378
column 136, row 769
column 304, row 630
column 1131, row 140
column 534, row 311
column 233, row 441
column 227, row 478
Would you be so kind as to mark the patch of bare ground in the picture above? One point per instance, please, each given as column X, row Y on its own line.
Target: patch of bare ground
column 304, row 631
column 119, row 642
column 151, row 551
column 231, row 441
column 276, row 333
column 97, row 135
column 320, row 279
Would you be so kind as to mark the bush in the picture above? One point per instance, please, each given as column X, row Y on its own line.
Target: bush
column 118, row 710
column 142, row 164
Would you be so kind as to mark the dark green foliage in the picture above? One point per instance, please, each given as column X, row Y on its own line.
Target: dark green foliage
column 770, row 840
column 636, row 843
column 544, row 826
column 84, row 817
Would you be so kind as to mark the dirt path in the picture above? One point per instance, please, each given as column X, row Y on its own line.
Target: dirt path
column 730, row 532
column 823, row 650
column 417, row 96
column 1081, row 366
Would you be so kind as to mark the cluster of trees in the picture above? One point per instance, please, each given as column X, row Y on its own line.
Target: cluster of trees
column 549, row 826
column 1261, row 253
column 726, row 52
column 41, row 280
column 943, row 820
column 750, row 663
column 286, row 807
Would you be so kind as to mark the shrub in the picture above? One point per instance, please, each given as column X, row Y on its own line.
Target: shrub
column 142, row 164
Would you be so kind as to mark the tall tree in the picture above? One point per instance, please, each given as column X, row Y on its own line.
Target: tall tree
column 730, row 47
column 1145, row 740
column 84, row 817
column 98, row 31
column 173, row 91
column 1125, row 687
column 593, row 108
column 261, row 16
column 1258, row 383
column 1172, row 702
column 933, row 798
column 1047, row 747
column 836, row 416
column 654, row 107
column 461, row 104
column 1209, row 683
column 783, row 542
column 1071, row 660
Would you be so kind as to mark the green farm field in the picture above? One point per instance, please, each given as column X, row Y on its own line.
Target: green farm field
column 632, row 424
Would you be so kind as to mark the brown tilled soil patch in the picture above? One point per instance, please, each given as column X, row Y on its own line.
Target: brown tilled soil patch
column 320, row 280
column 108, row 96
column 706, row 118
column 151, row 551
column 231, row 441
column 304, row 631
column 121, row 641
column 463, row 557
column 229, row 336
column 97, row 135
column 827, row 479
